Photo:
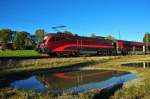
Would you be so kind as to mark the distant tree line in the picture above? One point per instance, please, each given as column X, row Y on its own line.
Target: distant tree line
column 20, row 40
column 146, row 38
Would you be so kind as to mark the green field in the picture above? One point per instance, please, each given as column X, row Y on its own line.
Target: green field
column 135, row 89
column 19, row 53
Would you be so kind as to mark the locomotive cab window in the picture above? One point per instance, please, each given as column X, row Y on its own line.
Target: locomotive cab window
column 62, row 38
column 54, row 39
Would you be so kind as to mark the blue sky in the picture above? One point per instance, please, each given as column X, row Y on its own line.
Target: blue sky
column 83, row 17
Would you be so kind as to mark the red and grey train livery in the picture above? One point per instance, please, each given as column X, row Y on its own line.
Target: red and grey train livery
column 69, row 44
column 130, row 47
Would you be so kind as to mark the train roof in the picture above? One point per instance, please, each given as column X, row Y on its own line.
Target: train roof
column 60, row 33
column 129, row 41
column 100, row 37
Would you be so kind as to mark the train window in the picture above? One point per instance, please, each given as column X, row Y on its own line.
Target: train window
column 62, row 38
column 57, row 38
column 54, row 39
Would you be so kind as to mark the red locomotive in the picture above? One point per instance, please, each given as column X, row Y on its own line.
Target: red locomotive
column 64, row 43
column 69, row 44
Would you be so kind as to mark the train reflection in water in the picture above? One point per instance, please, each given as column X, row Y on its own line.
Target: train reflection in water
column 73, row 81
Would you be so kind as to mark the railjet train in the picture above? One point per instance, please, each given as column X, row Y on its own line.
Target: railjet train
column 68, row 44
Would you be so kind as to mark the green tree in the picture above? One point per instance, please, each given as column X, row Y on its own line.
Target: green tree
column 40, row 33
column 5, row 36
column 93, row 35
column 20, row 40
column 146, row 38
column 110, row 37
column 68, row 32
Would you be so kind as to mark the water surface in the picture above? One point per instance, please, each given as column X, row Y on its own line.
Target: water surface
column 73, row 81
column 138, row 64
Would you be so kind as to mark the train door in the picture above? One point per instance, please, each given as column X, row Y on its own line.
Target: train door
column 120, row 47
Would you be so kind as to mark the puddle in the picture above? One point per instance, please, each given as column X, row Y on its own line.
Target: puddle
column 140, row 64
column 73, row 81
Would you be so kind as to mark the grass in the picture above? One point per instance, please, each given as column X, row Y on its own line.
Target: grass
column 9, row 93
column 135, row 89
column 19, row 53
column 55, row 63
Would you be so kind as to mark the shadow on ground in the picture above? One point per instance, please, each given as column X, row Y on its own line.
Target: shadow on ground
column 108, row 92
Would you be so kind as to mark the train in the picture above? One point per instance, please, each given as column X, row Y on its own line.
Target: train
column 63, row 43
